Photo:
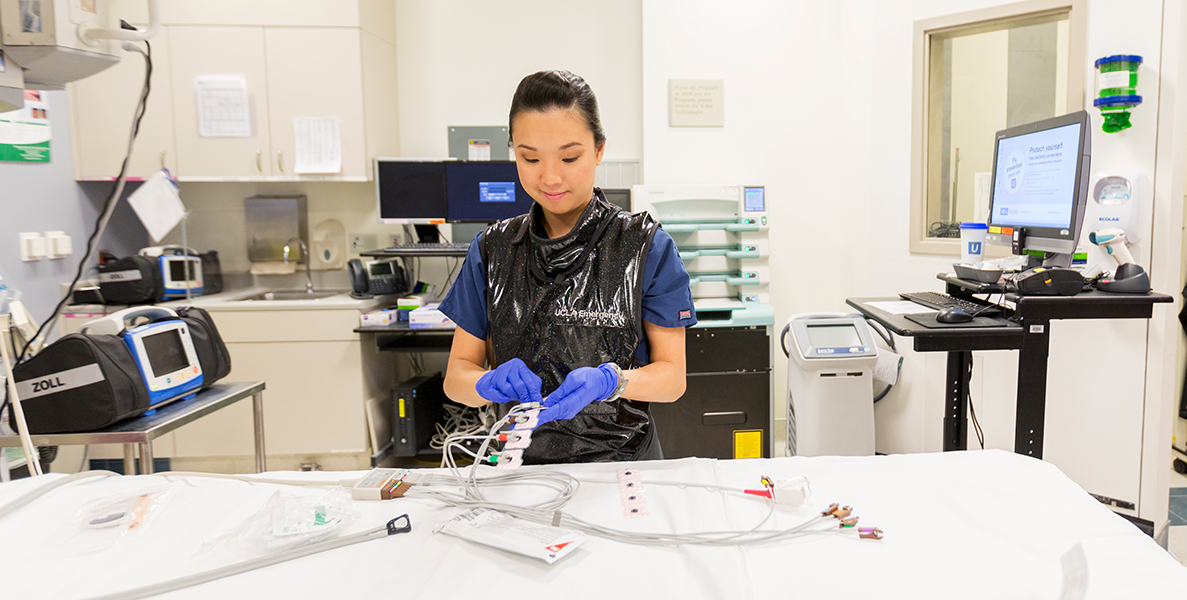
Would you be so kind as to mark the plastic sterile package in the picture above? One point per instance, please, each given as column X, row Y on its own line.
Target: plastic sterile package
column 103, row 523
column 512, row 534
column 285, row 521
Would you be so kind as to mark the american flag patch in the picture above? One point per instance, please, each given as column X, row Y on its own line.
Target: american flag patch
column 685, row 314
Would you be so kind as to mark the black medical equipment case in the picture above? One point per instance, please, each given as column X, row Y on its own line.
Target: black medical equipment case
column 213, row 356
column 80, row 383
column 131, row 280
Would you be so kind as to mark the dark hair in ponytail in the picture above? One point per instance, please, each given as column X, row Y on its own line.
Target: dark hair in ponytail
column 546, row 90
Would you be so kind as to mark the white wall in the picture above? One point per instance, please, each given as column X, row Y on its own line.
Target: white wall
column 460, row 61
column 818, row 108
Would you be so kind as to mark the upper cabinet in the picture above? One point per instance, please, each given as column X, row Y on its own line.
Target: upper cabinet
column 204, row 51
column 104, row 104
column 290, row 73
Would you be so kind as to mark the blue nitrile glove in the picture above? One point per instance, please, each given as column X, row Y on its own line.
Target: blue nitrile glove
column 581, row 386
column 512, row 380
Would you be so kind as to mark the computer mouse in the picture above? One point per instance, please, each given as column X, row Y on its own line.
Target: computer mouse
column 953, row 315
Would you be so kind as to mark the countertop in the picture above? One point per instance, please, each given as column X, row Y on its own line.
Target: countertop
column 233, row 300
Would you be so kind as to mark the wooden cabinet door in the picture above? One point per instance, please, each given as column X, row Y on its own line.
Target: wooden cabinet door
column 201, row 51
column 315, row 73
column 103, row 106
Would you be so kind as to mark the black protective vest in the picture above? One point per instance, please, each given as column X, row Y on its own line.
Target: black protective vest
column 574, row 301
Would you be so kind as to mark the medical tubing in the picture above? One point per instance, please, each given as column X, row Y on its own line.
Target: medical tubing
column 42, row 490
column 31, row 456
column 245, row 566
column 108, row 206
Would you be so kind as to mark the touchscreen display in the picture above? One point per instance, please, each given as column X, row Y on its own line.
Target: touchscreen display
column 165, row 352
column 1035, row 182
column 833, row 336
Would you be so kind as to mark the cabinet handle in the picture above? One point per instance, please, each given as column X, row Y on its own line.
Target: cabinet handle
column 280, row 160
column 259, row 164
column 162, row 159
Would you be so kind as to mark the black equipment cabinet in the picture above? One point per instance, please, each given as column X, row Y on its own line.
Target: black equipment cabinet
column 725, row 411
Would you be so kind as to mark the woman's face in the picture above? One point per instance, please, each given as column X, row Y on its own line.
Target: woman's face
column 556, row 158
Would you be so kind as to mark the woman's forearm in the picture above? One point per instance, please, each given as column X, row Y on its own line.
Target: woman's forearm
column 659, row 381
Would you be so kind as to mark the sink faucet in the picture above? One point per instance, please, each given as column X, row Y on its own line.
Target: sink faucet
column 304, row 253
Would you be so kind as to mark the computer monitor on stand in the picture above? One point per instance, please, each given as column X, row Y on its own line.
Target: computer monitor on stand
column 1040, row 188
column 411, row 191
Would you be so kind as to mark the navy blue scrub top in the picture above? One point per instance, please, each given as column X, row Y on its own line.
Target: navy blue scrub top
column 667, row 301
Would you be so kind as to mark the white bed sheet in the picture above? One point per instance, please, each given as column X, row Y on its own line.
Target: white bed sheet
column 987, row 524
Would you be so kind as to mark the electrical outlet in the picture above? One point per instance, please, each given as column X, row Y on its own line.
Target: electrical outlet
column 361, row 242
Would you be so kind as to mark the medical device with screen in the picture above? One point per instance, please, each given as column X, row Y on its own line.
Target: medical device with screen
column 410, row 191
column 484, row 191
column 165, row 353
column 1040, row 184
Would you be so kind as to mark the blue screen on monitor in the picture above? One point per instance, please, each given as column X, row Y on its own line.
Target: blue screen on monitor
column 1035, row 182
column 484, row 191
column 754, row 199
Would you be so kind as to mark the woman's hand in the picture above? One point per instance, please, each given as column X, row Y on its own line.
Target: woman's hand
column 510, row 381
column 581, row 386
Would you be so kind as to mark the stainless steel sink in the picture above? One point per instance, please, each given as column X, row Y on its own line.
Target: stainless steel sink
column 275, row 296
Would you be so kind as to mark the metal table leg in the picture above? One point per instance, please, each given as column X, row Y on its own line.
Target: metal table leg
column 1032, row 387
column 129, row 459
column 956, row 408
column 146, row 458
column 257, row 414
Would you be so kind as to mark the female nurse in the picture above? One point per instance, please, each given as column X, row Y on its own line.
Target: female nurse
column 576, row 305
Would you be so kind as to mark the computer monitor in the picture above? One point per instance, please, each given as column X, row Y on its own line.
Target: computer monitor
column 410, row 191
column 484, row 191
column 620, row 198
column 1040, row 185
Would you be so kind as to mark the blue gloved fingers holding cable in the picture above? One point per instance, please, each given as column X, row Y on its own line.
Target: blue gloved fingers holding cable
column 510, row 381
column 581, row 387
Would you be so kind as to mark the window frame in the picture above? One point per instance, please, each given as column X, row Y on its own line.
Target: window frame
column 970, row 23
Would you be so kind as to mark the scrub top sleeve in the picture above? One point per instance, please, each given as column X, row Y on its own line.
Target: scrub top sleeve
column 667, row 300
column 465, row 304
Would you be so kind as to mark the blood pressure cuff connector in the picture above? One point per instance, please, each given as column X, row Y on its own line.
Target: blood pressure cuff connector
column 79, row 383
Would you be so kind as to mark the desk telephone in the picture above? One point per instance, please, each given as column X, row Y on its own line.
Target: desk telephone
column 376, row 278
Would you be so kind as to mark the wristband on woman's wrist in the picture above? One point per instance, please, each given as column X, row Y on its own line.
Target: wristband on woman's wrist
column 621, row 382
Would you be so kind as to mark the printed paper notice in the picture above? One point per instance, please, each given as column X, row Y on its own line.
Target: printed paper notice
column 696, row 102
column 319, row 145
column 479, row 150
column 25, row 132
column 223, row 108
column 900, row 307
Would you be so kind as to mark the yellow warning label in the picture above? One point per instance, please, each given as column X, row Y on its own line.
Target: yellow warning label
column 748, row 444
column 995, row 229
column 401, row 408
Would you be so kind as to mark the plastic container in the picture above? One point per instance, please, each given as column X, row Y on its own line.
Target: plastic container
column 1117, row 87
column 972, row 242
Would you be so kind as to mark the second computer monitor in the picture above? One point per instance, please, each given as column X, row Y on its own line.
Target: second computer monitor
column 484, row 191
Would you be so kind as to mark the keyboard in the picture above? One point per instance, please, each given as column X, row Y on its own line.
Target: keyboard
column 424, row 249
column 940, row 301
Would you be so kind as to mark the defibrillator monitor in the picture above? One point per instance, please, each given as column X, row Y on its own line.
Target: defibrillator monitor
column 484, row 191
column 1040, row 184
column 181, row 274
column 166, row 357
column 835, row 337
column 410, row 191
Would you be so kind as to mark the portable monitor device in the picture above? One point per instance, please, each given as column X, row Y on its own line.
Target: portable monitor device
column 830, row 398
column 163, row 350
column 181, row 270
column 1040, row 186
